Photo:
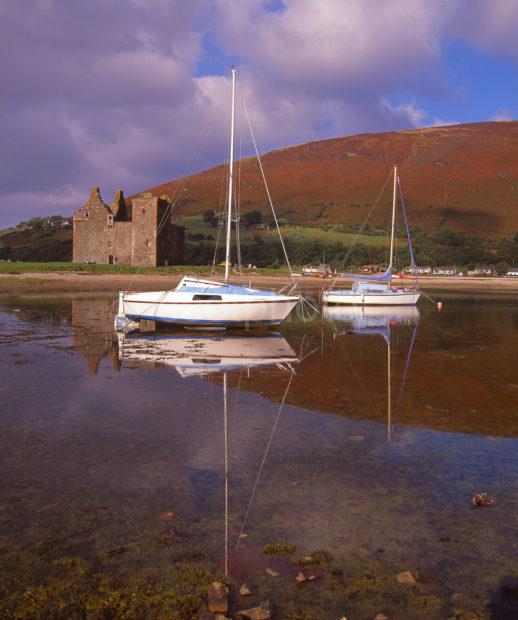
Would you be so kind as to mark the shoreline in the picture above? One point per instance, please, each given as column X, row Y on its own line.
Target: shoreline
column 56, row 282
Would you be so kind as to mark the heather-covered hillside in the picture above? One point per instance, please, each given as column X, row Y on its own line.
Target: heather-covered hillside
column 460, row 177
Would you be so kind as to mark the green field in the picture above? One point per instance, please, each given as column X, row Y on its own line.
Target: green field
column 15, row 268
column 305, row 234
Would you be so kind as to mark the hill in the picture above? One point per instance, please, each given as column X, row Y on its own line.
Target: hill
column 462, row 178
column 38, row 239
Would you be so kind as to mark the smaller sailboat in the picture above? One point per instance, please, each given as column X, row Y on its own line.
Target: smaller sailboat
column 197, row 302
column 378, row 290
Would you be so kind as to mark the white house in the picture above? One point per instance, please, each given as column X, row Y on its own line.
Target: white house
column 422, row 271
column 483, row 270
column 445, row 271
column 512, row 271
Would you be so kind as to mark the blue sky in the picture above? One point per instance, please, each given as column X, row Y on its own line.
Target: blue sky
column 115, row 93
column 482, row 86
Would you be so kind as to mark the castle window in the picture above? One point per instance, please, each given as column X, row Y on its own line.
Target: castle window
column 147, row 242
column 143, row 210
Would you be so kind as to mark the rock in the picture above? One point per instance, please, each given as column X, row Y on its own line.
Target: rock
column 208, row 615
column 300, row 578
column 406, row 577
column 218, row 597
column 482, row 499
column 271, row 572
column 244, row 590
column 458, row 599
column 381, row 617
column 307, row 558
column 262, row 612
column 312, row 577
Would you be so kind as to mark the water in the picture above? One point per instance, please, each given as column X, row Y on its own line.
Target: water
column 115, row 452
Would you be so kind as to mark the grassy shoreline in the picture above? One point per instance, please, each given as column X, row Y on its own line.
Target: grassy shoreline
column 49, row 278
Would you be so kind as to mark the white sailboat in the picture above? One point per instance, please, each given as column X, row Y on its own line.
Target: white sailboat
column 377, row 290
column 208, row 303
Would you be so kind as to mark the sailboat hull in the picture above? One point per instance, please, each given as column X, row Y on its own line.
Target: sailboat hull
column 351, row 298
column 233, row 310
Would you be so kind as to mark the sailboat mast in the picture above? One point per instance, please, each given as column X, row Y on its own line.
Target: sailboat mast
column 393, row 218
column 230, row 175
column 225, row 428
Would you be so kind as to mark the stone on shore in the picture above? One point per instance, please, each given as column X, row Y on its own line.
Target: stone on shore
column 460, row 600
column 381, row 617
column 406, row 577
column 262, row 612
column 271, row 572
column 300, row 578
column 244, row 590
column 218, row 597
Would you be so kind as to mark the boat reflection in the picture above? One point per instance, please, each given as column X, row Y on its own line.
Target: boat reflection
column 201, row 355
column 194, row 355
column 365, row 318
column 380, row 321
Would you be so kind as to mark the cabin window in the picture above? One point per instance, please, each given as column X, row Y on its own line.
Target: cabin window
column 206, row 297
column 204, row 360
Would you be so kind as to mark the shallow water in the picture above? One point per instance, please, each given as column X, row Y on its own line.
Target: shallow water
column 113, row 449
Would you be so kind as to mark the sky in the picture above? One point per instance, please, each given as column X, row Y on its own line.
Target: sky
column 133, row 93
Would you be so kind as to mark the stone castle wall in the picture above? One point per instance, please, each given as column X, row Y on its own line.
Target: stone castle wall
column 141, row 236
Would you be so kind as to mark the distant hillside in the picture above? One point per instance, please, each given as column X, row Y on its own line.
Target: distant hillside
column 38, row 239
column 462, row 178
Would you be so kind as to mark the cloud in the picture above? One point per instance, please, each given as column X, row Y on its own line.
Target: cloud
column 109, row 92
column 488, row 25
column 411, row 114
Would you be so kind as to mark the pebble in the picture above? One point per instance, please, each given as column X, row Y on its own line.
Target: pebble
column 218, row 597
column 271, row 572
column 460, row 599
column 244, row 590
column 262, row 612
column 300, row 578
column 406, row 577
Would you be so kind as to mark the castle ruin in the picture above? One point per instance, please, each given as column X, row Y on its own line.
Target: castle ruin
column 138, row 234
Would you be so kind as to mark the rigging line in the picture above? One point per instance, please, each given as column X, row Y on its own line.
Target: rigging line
column 188, row 167
column 345, row 353
column 264, row 460
column 268, row 191
column 194, row 156
column 407, row 366
column 412, row 259
column 361, row 229
column 222, row 196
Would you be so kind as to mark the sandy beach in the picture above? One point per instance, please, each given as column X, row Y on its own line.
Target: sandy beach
column 80, row 282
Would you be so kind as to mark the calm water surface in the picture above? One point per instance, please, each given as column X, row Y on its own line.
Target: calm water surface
column 365, row 435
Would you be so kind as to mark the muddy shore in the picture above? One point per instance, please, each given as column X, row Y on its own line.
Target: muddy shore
column 79, row 282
